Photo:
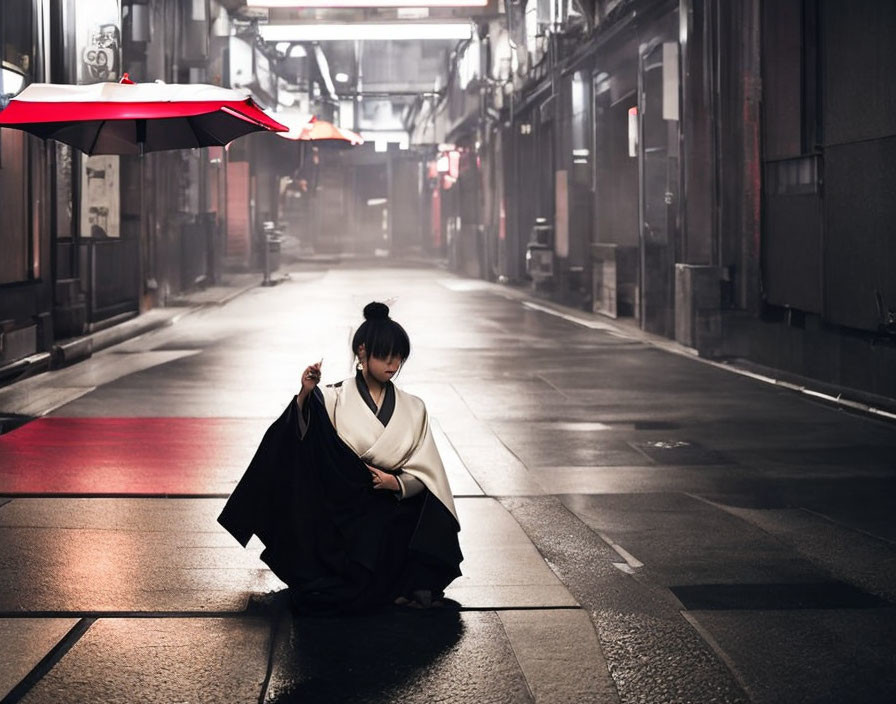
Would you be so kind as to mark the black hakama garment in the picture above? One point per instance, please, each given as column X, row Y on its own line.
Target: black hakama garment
column 340, row 545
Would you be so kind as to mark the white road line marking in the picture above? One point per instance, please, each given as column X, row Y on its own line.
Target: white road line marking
column 630, row 559
column 623, row 567
column 593, row 324
column 838, row 399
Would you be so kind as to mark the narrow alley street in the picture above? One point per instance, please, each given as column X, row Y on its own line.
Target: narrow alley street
column 637, row 525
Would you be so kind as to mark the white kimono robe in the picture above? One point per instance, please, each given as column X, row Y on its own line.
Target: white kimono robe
column 405, row 443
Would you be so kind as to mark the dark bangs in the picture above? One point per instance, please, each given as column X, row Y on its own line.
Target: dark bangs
column 382, row 338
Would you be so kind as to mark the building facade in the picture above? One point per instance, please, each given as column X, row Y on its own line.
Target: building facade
column 715, row 172
column 712, row 172
column 88, row 241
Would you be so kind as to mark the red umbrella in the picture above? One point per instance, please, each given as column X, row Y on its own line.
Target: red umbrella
column 304, row 128
column 130, row 118
column 323, row 131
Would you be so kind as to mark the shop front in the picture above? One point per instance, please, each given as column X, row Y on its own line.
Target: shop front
column 25, row 289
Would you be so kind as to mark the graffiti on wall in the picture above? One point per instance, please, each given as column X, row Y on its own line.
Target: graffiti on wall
column 99, row 59
column 99, row 41
column 101, row 55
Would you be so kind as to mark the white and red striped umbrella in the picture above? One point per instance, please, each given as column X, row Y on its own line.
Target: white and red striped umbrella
column 130, row 118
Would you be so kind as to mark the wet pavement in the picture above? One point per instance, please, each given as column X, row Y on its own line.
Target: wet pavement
column 638, row 525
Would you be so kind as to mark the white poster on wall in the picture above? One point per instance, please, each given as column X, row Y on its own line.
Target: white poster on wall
column 100, row 197
column 670, row 81
column 99, row 59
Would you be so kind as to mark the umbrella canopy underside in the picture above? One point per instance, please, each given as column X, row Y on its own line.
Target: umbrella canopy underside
column 134, row 136
column 113, row 118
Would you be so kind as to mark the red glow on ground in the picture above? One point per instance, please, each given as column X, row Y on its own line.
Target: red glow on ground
column 127, row 455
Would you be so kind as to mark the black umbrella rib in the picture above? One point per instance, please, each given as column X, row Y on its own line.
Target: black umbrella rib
column 209, row 134
column 141, row 132
column 96, row 137
column 194, row 128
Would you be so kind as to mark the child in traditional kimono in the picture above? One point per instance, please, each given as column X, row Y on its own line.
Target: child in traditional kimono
column 347, row 490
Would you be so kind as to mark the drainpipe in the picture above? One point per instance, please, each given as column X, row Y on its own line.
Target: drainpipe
column 749, row 290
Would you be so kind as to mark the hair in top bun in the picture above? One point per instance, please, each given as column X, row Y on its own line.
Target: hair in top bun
column 376, row 311
column 380, row 335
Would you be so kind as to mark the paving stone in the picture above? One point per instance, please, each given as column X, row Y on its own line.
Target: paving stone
column 494, row 596
column 161, row 660
column 88, row 555
column 501, row 566
column 398, row 656
column 148, row 516
column 490, row 563
column 25, row 643
column 462, row 483
column 560, row 656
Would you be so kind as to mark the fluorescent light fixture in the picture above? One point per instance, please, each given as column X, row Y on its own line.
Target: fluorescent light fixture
column 412, row 13
column 341, row 77
column 381, row 31
column 324, row 67
column 366, row 3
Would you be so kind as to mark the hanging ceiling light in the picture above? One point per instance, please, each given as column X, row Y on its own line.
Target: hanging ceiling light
column 366, row 3
column 380, row 31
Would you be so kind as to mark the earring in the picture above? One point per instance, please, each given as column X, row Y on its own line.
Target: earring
column 359, row 367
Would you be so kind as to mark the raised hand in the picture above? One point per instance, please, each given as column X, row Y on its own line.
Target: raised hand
column 310, row 379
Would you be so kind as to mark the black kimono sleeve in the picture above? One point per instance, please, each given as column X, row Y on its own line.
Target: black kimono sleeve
column 248, row 510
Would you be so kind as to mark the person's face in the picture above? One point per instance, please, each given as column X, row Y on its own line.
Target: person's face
column 381, row 369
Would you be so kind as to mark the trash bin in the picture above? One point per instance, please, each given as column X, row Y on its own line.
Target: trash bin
column 540, row 252
column 274, row 242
